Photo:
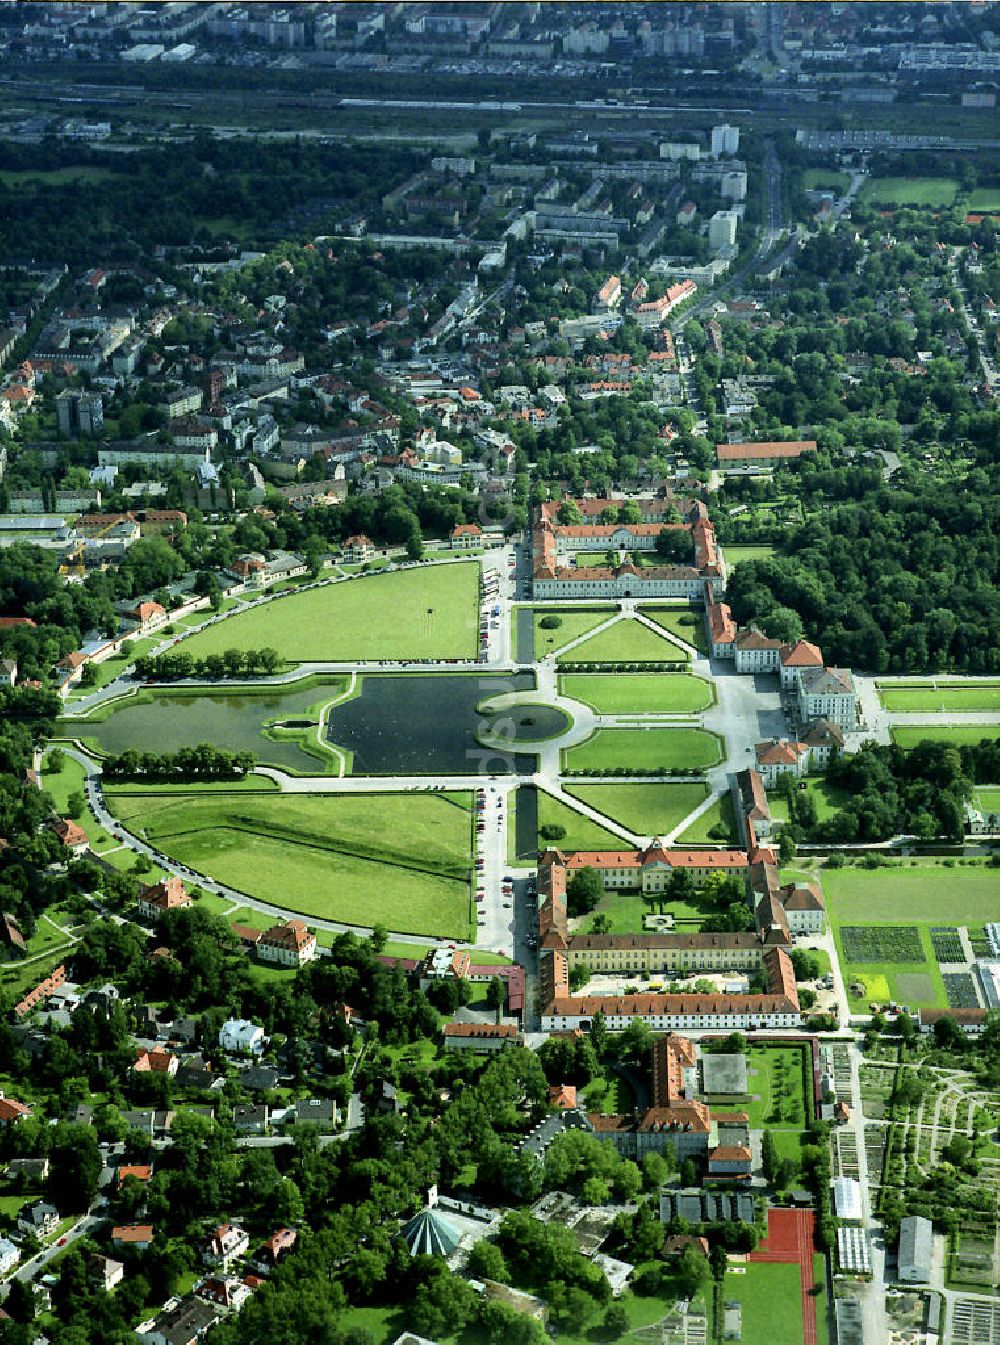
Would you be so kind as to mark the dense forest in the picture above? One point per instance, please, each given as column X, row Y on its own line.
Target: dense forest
column 902, row 580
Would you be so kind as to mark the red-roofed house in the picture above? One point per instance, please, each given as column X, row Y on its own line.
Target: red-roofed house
column 169, row 894
column 292, row 944
column 73, row 837
column 562, row 1096
column 147, row 614
column 357, row 549
column 156, row 1061
column 465, row 535
column 12, row 1111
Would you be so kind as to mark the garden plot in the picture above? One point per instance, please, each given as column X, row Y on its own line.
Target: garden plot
column 960, row 989
column 881, row 943
column 946, row 944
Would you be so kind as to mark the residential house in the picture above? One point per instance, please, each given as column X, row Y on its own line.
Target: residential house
column 150, row 1123
column 316, row 1111
column 357, row 549
column 9, row 1255
column 278, row 1245
column 242, row 1037
column 29, row 1170
column 104, row 1272
column 169, row 894
column 251, row 1118
column 183, row 1324
column 224, row 1245
column 292, row 944
column 12, row 1111
column 41, row 1219
column 259, row 1079
column 156, row 1062
column 139, row 1172
column 147, row 615
column 8, row 671
column 73, row 837
column 466, row 535
column 132, row 1235
column 225, row 1291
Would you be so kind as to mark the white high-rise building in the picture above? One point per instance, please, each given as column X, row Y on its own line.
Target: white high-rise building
column 734, row 187
column 725, row 141
column 722, row 229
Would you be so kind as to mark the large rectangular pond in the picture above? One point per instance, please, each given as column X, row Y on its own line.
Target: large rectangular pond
column 234, row 721
column 428, row 725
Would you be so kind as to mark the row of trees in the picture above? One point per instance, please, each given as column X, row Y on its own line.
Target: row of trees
column 177, row 665
column 202, row 763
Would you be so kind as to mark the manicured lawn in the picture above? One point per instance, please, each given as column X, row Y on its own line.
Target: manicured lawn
column 627, row 641
column 625, row 911
column 574, row 623
column 581, row 833
column 987, row 798
column 984, row 198
column 909, row 191
column 688, row 625
column 250, row 784
column 641, row 751
column 720, row 814
column 647, row 809
column 829, row 800
column 823, row 179
column 961, row 735
column 638, row 693
column 735, row 554
column 69, row 780
column 393, row 859
column 427, row 612
column 771, row 1299
column 943, row 696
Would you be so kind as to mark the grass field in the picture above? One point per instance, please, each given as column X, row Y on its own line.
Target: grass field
column 735, row 554
column 643, row 750
column 961, row 735
column 829, row 800
column 824, row 179
column 987, row 798
column 927, row 893
column 638, row 693
column 909, row 191
column 941, row 696
column 720, row 814
column 684, row 623
column 770, row 1296
column 392, row 859
column 574, row 623
column 919, row 897
column 429, row 612
column 647, row 809
column 984, row 198
column 627, row 641
column 69, row 780
column 581, row 833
